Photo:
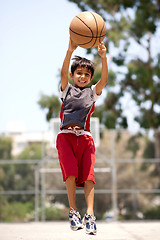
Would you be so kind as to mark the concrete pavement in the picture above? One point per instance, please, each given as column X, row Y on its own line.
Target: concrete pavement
column 61, row 230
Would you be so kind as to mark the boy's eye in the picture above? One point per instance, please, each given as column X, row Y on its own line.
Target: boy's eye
column 86, row 74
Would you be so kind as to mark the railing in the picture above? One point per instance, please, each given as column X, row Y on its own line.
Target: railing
column 40, row 172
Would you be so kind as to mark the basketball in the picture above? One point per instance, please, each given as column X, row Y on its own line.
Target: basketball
column 87, row 29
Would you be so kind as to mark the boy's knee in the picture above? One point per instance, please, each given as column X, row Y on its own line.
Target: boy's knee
column 71, row 178
column 89, row 182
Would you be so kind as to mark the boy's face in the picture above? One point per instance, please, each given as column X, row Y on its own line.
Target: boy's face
column 81, row 77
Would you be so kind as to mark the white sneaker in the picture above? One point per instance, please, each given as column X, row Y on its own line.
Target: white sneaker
column 90, row 222
column 75, row 220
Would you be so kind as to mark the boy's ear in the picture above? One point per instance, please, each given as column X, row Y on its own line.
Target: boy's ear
column 91, row 78
column 71, row 75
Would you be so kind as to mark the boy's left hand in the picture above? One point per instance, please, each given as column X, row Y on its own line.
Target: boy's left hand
column 101, row 49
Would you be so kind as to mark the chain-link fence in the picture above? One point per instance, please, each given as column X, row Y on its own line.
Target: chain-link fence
column 126, row 188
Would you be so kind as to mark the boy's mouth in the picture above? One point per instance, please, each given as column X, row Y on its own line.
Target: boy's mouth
column 82, row 81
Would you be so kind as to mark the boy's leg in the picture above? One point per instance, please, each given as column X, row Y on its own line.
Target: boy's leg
column 89, row 196
column 74, row 216
column 89, row 219
column 71, row 191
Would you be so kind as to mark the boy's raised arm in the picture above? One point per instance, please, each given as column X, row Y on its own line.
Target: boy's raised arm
column 104, row 74
column 65, row 67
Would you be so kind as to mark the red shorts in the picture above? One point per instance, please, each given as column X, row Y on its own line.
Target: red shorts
column 76, row 156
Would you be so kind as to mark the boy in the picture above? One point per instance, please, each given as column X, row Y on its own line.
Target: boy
column 75, row 145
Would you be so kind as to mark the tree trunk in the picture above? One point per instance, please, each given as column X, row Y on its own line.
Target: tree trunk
column 157, row 150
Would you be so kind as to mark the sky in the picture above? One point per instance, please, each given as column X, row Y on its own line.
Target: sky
column 34, row 36
column 33, row 43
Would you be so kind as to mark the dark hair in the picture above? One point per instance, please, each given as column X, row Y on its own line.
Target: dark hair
column 82, row 62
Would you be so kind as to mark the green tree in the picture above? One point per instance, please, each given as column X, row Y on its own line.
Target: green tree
column 18, row 177
column 6, row 172
column 51, row 104
column 132, row 29
column 25, row 172
column 33, row 151
column 132, row 25
column 5, row 147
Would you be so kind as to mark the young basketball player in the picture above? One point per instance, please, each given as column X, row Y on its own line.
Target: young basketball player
column 75, row 144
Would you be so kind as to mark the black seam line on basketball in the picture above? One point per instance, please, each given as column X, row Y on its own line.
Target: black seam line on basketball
column 85, row 24
column 97, row 28
column 86, row 35
column 83, row 36
column 101, row 31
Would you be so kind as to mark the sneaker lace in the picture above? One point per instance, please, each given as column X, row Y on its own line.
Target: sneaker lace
column 91, row 219
column 76, row 215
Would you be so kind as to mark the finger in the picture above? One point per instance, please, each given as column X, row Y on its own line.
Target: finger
column 99, row 46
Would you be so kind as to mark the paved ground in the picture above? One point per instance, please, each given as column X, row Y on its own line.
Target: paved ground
column 61, row 230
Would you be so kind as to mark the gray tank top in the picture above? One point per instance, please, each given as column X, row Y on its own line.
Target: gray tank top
column 77, row 104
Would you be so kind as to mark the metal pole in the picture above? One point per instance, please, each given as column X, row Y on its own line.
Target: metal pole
column 36, row 193
column 43, row 183
column 43, row 194
column 134, row 193
column 114, row 177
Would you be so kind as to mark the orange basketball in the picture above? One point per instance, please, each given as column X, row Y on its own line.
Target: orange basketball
column 87, row 29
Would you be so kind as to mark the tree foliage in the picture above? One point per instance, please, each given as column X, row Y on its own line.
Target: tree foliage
column 51, row 104
column 5, row 147
column 20, row 176
column 134, row 22
column 33, row 151
column 132, row 34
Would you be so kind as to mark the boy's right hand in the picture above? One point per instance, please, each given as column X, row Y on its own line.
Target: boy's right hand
column 72, row 45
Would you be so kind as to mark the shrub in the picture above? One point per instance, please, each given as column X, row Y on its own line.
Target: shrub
column 15, row 211
column 152, row 213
